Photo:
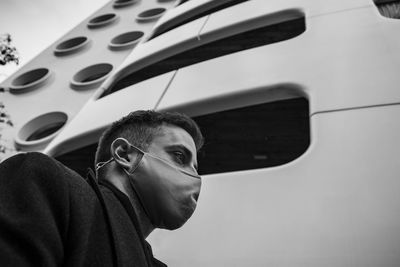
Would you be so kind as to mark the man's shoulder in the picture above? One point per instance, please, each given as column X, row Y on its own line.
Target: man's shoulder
column 37, row 165
column 29, row 160
column 19, row 158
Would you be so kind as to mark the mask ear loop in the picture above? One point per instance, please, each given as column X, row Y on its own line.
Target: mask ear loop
column 101, row 164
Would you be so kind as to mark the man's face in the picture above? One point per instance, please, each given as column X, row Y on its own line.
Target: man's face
column 175, row 145
column 169, row 195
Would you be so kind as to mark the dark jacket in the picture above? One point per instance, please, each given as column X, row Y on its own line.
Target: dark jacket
column 50, row 216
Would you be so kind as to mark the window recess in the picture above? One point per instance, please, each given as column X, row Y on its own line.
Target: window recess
column 388, row 8
column 239, row 42
column 198, row 12
column 252, row 137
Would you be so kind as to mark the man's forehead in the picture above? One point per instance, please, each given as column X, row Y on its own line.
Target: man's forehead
column 173, row 135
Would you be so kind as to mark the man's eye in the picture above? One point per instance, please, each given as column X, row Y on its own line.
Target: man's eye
column 179, row 156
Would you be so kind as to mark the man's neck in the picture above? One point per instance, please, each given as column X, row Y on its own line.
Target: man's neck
column 120, row 180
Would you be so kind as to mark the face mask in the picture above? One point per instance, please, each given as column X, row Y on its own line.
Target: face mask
column 168, row 194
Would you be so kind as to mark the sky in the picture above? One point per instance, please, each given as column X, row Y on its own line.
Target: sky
column 35, row 24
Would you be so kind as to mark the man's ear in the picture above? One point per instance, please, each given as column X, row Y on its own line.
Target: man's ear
column 123, row 153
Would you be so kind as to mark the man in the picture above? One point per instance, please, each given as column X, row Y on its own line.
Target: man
column 146, row 178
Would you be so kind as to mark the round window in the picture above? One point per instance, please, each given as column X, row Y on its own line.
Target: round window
column 91, row 75
column 126, row 40
column 71, row 45
column 151, row 14
column 102, row 20
column 124, row 3
column 29, row 80
column 40, row 130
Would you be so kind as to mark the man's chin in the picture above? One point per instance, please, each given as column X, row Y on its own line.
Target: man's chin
column 180, row 218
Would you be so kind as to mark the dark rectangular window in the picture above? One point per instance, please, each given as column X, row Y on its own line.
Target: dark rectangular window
column 253, row 137
column 388, row 8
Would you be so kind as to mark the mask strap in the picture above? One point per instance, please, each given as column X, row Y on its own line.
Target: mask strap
column 195, row 175
column 142, row 153
column 101, row 164
column 135, row 164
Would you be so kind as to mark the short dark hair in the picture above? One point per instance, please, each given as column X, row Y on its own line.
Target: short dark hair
column 140, row 127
